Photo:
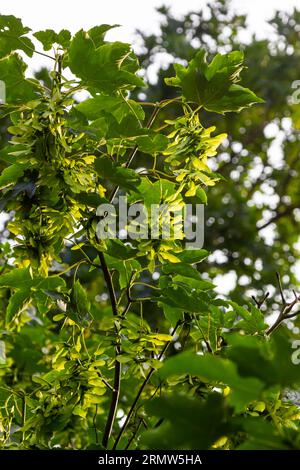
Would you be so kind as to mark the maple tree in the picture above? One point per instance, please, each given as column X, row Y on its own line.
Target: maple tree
column 107, row 343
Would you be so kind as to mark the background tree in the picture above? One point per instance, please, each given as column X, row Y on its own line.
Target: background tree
column 252, row 220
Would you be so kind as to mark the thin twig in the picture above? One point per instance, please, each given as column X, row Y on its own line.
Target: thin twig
column 280, row 288
column 141, row 389
column 134, row 434
column 26, row 45
column 109, row 283
column 105, row 381
column 134, row 151
column 117, row 372
column 293, row 315
column 259, row 303
column 278, row 216
column 23, row 416
column 95, row 424
column 286, row 308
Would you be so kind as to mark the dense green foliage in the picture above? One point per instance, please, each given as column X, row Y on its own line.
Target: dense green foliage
column 260, row 160
column 107, row 343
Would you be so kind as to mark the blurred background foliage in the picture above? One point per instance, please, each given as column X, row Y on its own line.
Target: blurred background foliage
column 253, row 218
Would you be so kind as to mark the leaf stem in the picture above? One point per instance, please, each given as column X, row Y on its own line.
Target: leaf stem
column 286, row 309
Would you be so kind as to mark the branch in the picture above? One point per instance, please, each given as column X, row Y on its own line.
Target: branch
column 278, row 216
column 280, row 288
column 286, row 308
column 117, row 373
column 95, row 424
column 109, row 283
column 110, row 287
column 134, row 434
column 141, row 389
column 134, row 151
column 293, row 315
column 259, row 303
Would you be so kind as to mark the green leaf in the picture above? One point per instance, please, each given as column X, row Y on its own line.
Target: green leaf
column 16, row 303
column 181, row 268
column 107, row 68
column 197, row 284
column 97, row 33
column 185, row 299
column 199, row 198
column 216, row 369
column 17, row 278
column 90, row 199
column 12, row 70
column 118, row 175
column 10, row 175
column 12, row 36
column 270, row 362
column 172, row 314
column 236, row 99
column 188, row 423
column 213, row 86
column 120, row 108
column 192, row 256
column 7, row 154
column 27, row 287
column 79, row 299
column 117, row 249
column 208, row 327
column 150, row 193
column 124, row 267
column 152, row 143
column 20, row 278
column 262, row 435
column 123, row 133
column 51, row 283
column 59, row 317
column 123, row 359
column 79, row 411
column 154, row 193
column 49, row 37
column 253, row 321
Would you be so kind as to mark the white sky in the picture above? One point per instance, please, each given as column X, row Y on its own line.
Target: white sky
column 73, row 15
column 131, row 14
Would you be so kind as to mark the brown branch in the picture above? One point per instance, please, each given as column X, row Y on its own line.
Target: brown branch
column 134, row 434
column 286, row 309
column 278, row 216
column 117, row 373
column 280, row 288
column 259, row 303
column 95, row 424
column 293, row 315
